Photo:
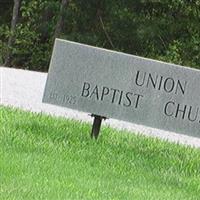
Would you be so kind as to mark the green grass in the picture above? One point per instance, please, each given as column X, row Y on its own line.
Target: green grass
column 42, row 157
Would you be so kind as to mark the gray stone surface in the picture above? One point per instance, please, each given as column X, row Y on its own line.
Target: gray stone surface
column 24, row 89
column 124, row 87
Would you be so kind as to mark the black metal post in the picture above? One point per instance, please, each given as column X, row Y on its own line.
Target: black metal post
column 96, row 125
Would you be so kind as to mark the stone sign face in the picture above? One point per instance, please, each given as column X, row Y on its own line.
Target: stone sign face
column 124, row 87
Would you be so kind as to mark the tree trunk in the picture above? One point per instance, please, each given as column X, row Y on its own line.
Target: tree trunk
column 14, row 21
column 60, row 22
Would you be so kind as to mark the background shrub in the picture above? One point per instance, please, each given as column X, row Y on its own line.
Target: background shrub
column 164, row 30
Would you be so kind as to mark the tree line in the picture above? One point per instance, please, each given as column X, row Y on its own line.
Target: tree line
column 167, row 30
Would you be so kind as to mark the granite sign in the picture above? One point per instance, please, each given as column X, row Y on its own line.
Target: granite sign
column 126, row 87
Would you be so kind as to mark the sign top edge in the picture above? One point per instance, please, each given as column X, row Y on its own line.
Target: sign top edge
column 126, row 54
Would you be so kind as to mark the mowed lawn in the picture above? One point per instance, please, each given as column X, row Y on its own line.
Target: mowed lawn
column 43, row 157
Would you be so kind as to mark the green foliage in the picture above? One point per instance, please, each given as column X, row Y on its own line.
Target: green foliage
column 32, row 47
column 167, row 30
column 4, row 34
